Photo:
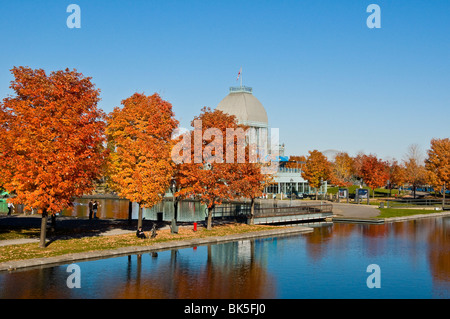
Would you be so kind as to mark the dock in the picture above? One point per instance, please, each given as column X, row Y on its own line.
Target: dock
column 298, row 213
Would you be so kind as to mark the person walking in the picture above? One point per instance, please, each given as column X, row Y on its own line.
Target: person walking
column 91, row 209
column 95, row 207
column 10, row 208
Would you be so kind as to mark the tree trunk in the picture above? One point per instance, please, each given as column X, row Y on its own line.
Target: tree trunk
column 252, row 212
column 139, row 216
column 43, row 228
column 317, row 194
column 209, row 221
column 443, row 198
column 130, row 212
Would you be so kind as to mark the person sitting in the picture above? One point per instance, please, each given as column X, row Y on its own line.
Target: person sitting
column 140, row 233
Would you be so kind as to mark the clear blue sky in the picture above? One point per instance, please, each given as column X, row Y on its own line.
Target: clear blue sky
column 326, row 80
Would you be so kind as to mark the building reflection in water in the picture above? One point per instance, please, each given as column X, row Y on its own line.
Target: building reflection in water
column 228, row 271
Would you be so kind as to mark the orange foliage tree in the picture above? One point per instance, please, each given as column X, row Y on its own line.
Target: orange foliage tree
column 52, row 134
column 397, row 175
column 208, row 170
column 316, row 170
column 374, row 172
column 249, row 181
column 204, row 173
column 415, row 171
column 438, row 163
column 342, row 169
column 139, row 137
column 296, row 162
column 357, row 165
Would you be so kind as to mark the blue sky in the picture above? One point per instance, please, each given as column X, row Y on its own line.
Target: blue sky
column 327, row 81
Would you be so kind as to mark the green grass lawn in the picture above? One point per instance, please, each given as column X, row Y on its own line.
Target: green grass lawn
column 401, row 212
column 379, row 192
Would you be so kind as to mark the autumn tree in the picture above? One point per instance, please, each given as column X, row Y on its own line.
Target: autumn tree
column 52, row 133
column 249, row 181
column 316, row 170
column 357, row 162
column 296, row 162
column 342, row 169
column 397, row 174
column 207, row 170
column 415, row 172
column 374, row 172
column 438, row 163
column 139, row 136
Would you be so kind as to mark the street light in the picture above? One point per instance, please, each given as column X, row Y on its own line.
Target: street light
column 291, row 192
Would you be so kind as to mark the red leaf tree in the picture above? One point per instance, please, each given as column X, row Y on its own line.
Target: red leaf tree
column 215, row 164
column 374, row 172
column 52, row 134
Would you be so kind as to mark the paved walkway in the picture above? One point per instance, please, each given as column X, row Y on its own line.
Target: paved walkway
column 355, row 211
column 76, row 227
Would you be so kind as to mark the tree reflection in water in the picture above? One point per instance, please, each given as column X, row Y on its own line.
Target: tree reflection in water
column 414, row 257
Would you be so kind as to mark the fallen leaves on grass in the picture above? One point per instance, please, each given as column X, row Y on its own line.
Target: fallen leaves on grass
column 93, row 243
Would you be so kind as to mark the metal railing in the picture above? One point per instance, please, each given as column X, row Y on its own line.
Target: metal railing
column 294, row 210
column 231, row 210
column 243, row 209
column 245, row 89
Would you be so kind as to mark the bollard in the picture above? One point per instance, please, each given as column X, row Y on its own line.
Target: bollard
column 195, row 226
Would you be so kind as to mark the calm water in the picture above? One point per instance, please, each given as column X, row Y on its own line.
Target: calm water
column 331, row 262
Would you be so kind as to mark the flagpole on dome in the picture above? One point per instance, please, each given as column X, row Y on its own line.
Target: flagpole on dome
column 239, row 75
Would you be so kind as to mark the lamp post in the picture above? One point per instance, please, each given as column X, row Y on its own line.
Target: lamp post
column 290, row 203
column 173, row 226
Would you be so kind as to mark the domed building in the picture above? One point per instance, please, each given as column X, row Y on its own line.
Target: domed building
column 249, row 111
column 245, row 106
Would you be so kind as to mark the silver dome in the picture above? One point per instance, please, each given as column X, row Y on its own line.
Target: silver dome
column 241, row 103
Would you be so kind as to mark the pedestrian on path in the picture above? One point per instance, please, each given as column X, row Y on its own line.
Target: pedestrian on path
column 95, row 207
column 10, row 208
column 91, row 209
